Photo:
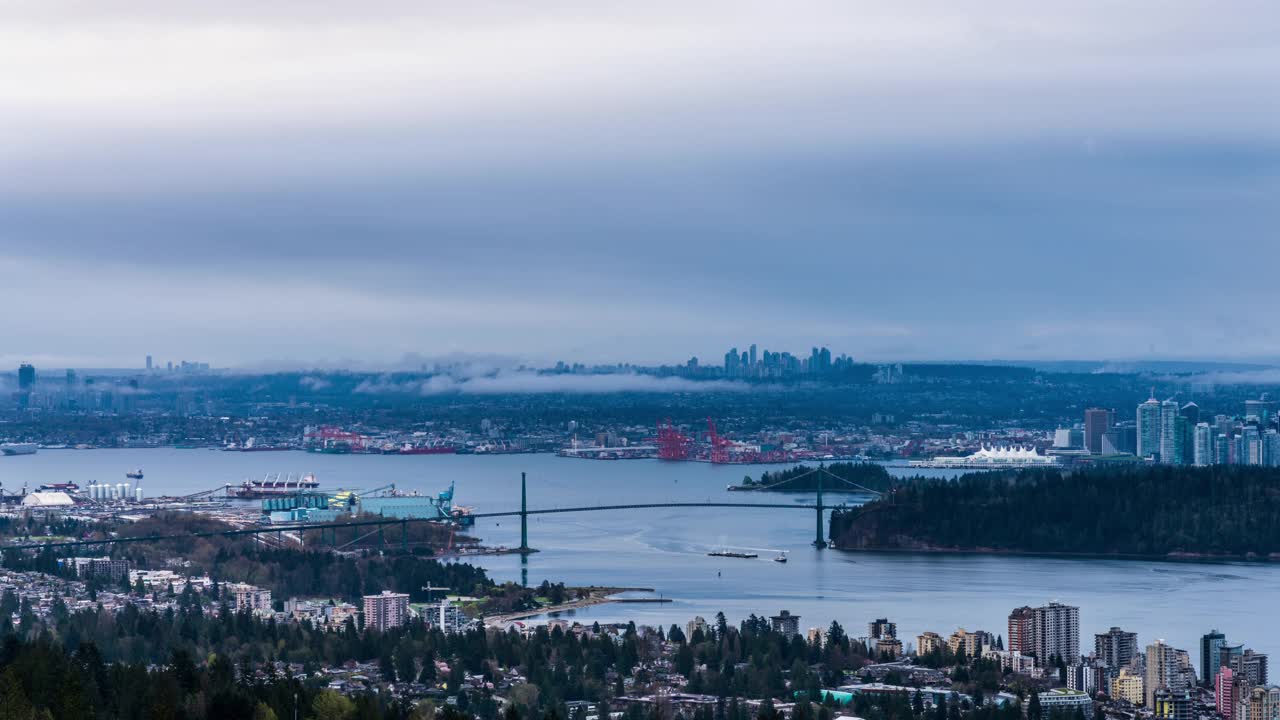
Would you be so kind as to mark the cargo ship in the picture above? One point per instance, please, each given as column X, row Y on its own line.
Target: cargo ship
column 408, row 449
column 273, row 485
column 733, row 554
column 18, row 448
column 67, row 487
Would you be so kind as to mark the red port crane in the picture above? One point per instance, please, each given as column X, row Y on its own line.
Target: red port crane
column 719, row 445
column 672, row 445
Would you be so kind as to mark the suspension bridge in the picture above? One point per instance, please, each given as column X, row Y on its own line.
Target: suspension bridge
column 377, row 524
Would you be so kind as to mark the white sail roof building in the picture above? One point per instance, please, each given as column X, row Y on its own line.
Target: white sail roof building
column 1008, row 456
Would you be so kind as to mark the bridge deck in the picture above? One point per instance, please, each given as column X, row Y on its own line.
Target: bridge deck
column 398, row 521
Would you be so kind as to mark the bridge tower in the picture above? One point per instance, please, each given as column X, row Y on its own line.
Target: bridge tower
column 524, row 518
column 818, row 542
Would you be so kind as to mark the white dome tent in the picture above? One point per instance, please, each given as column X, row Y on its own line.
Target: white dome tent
column 47, row 500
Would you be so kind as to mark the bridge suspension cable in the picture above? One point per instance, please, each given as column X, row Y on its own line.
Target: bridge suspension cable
column 376, row 525
column 824, row 471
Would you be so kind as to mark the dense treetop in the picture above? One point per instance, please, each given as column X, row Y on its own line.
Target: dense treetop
column 804, row 478
column 1160, row 510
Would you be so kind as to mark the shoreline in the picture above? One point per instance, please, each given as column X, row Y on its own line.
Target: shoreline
column 894, row 463
column 598, row 596
column 825, row 491
column 1178, row 556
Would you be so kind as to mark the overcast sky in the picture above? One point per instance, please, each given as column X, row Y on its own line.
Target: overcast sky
column 312, row 183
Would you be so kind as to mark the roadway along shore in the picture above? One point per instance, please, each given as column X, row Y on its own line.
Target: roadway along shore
column 596, row 596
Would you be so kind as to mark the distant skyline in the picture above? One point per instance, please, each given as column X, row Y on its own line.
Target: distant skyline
column 473, row 366
column 310, row 185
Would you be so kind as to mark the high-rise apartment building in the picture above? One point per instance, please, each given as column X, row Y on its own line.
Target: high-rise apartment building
column 99, row 567
column 1229, row 656
column 882, row 628
column 1115, row 648
column 1260, row 409
column 1021, row 635
column 248, row 597
column 1128, row 686
column 731, row 363
column 1202, row 452
column 1049, row 631
column 1173, row 704
column 786, row 624
column 26, row 377
column 972, row 644
column 1097, row 421
column 1121, row 439
column 1211, row 655
column 1159, row 670
column 1223, row 695
column 1252, row 666
column 26, row 383
column 447, row 617
column 1191, row 412
column 1221, row 449
column 1087, row 676
column 888, row 648
column 1057, row 632
column 1256, row 703
column 1163, row 670
column 1149, row 428
column 1251, row 445
column 928, row 642
column 1185, row 440
column 385, row 610
column 1170, row 437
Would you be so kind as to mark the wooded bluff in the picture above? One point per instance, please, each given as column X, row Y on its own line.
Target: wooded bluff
column 1228, row 511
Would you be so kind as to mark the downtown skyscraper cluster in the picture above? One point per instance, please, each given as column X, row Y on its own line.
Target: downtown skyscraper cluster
column 1176, row 434
column 750, row 363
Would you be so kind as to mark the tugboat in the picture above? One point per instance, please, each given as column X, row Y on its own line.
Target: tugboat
column 782, row 557
column 135, row 475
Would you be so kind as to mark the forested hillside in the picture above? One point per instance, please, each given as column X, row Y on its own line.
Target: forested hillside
column 804, row 478
column 1221, row 510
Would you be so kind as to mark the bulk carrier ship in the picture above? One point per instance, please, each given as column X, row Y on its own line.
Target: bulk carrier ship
column 427, row 449
column 272, row 486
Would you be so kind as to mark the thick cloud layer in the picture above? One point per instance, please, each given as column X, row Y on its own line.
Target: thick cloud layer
column 255, row 182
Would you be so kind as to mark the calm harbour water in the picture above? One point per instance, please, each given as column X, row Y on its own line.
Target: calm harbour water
column 666, row 549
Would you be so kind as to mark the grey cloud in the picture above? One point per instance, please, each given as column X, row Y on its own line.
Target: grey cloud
column 314, row 384
column 642, row 182
column 1270, row 376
